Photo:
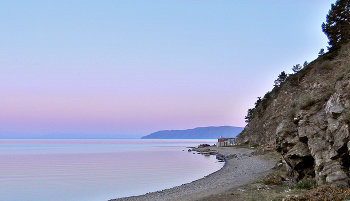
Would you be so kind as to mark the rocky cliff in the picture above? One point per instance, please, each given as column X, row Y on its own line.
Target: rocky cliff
column 307, row 118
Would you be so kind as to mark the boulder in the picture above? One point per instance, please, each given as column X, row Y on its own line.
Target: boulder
column 308, row 122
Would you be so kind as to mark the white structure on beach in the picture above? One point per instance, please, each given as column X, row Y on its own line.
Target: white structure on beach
column 226, row 141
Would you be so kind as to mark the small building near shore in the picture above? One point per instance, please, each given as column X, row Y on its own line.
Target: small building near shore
column 226, row 141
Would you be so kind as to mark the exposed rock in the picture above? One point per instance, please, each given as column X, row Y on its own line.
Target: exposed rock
column 334, row 106
column 308, row 122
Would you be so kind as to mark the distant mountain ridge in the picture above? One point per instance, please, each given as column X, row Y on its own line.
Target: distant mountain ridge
column 211, row 132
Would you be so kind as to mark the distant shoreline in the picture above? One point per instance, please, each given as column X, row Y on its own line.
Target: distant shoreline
column 241, row 167
column 209, row 132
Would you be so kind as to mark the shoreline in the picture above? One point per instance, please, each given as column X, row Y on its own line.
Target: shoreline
column 241, row 167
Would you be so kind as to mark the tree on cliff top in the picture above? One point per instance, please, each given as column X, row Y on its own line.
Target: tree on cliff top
column 281, row 78
column 250, row 115
column 337, row 27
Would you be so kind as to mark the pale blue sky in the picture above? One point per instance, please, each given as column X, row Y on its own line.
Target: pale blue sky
column 110, row 68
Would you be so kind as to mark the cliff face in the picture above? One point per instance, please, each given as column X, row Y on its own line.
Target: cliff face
column 307, row 121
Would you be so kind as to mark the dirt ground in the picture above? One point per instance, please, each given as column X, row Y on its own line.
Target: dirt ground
column 251, row 175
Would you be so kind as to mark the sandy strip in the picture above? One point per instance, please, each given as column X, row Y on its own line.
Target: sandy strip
column 243, row 169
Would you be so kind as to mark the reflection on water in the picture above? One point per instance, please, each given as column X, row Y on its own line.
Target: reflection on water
column 97, row 169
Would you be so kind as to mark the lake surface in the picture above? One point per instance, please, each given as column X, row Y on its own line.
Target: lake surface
column 93, row 170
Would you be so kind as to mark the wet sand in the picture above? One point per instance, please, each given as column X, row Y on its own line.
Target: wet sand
column 243, row 168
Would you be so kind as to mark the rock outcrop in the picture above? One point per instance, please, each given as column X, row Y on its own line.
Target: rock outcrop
column 307, row 121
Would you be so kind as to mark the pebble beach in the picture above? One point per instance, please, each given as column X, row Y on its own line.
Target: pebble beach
column 241, row 167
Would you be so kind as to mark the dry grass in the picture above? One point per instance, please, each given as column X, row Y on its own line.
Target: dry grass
column 275, row 187
column 306, row 102
column 275, row 178
column 323, row 193
column 272, row 188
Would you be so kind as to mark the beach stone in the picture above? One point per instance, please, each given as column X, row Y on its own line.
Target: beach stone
column 309, row 125
column 233, row 174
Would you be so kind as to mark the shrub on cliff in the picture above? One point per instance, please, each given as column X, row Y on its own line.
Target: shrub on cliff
column 250, row 115
column 281, row 78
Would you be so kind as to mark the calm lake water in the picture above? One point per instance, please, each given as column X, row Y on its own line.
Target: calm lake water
column 93, row 170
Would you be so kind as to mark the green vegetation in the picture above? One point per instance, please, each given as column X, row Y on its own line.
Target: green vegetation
column 260, row 106
column 250, row 115
column 321, row 52
column 298, row 98
column 262, row 103
column 281, row 78
column 337, row 27
column 306, row 183
column 296, row 68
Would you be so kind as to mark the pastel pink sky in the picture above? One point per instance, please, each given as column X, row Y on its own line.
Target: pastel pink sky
column 128, row 68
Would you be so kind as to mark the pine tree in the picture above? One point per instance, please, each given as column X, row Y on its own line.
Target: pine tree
column 281, row 78
column 305, row 64
column 257, row 103
column 321, row 52
column 337, row 27
column 250, row 115
column 296, row 68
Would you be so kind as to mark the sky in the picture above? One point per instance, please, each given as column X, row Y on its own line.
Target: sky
column 110, row 69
